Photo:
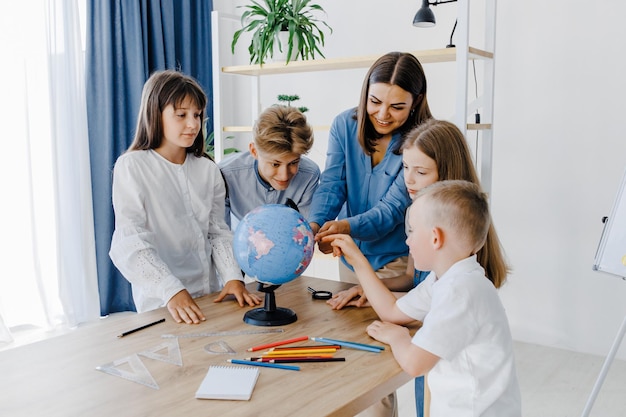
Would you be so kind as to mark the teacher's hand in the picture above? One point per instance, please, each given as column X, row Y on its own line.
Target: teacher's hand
column 330, row 228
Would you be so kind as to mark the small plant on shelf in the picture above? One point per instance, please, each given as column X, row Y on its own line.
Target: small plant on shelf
column 210, row 145
column 286, row 98
column 267, row 19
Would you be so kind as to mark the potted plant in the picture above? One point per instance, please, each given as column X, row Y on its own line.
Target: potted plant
column 267, row 19
column 210, row 145
column 288, row 98
column 209, row 141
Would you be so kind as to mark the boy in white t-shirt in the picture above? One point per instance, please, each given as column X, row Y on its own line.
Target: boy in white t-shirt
column 464, row 344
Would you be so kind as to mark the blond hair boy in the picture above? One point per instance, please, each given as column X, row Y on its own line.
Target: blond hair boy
column 464, row 344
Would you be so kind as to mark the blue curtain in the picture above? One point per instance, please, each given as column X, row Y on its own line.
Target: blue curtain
column 127, row 40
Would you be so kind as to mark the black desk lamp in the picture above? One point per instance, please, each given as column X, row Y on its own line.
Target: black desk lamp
column 425, row 18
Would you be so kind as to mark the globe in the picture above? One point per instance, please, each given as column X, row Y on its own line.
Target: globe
column 274, row 245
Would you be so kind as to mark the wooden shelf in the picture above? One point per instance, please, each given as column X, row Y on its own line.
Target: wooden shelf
column 330, row 64
column 233, row 129
column 479, row 126
column 249, row 128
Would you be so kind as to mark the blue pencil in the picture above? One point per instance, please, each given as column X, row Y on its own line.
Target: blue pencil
column 353, row 345
column 266, row 364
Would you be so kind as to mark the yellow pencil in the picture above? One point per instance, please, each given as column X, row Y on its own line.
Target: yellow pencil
column 293, row 352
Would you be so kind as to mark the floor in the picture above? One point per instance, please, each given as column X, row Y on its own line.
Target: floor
column 556, row 383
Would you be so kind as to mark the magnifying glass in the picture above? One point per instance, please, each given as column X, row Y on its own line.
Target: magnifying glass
column 320, row 295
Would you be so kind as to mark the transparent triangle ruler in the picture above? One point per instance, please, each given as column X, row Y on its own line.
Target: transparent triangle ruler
column 219, row 347
column 172, row 356
column 139, row 373
column 227, row 333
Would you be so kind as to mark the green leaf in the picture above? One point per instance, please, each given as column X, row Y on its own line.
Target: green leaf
column 265, row 20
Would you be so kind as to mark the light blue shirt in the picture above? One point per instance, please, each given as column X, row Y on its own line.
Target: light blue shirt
column 375, row 198
column 247, row 190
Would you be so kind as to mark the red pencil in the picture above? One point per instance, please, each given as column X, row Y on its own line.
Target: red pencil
column 283, row 342
column 307, row 347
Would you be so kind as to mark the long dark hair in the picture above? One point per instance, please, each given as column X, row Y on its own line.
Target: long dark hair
column 394, row 68
column 160, row 90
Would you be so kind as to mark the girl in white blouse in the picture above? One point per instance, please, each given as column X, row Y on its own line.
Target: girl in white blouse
column 170, row 240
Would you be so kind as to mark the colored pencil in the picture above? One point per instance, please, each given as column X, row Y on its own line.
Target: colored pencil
column 270, row 358
column 308, row 347
column 299, row 360
column 297, row 351
column 353, row 345
column 265, row 364
column 282, row 342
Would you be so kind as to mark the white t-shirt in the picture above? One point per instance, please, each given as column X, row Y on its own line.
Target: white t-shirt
column 170, row 232
column 464, row 323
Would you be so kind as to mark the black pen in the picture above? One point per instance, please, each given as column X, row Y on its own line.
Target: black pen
column 141, row 328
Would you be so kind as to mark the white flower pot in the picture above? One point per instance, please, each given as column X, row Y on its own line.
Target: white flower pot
column 279, row 56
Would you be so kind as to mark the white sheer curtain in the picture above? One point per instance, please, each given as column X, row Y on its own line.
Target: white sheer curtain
column 47, row 250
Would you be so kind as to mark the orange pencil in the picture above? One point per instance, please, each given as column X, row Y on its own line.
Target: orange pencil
column 271, row 358
column 283, row 342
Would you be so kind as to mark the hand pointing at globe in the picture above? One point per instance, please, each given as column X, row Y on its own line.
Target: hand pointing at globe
column 332, row 227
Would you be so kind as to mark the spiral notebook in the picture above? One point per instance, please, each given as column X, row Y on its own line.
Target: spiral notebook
column 228, row 383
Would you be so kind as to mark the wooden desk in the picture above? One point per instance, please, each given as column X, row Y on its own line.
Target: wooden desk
column 57, row 377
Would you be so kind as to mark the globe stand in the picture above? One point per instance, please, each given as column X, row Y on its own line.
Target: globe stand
column 269, row 314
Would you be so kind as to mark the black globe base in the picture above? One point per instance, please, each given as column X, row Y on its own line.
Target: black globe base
column 278, row 317
column 269, row 314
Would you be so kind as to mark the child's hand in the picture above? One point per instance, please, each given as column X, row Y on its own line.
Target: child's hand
column 344, row 245
column 388, row 333
column 352, row 297
column 238, row 289
column 183, row 308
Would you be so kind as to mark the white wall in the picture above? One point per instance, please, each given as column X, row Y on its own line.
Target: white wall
column 559, row 156
column 559, row 146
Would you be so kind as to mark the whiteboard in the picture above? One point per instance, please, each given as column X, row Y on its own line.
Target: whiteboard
column 611, row 253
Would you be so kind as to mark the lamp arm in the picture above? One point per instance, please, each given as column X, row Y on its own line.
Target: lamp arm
column 451, row 45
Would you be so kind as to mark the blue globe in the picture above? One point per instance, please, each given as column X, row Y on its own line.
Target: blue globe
column 273, row 244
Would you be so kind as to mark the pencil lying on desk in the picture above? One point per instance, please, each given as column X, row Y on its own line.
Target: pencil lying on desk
column 271, row 358
column 353, row 345
column 282, row 342
column 298, row 360
column 266, row 364
column 298, row 351
column 141, row 328
column 307, row 347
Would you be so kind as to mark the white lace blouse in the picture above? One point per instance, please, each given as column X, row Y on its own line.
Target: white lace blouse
column 170, row 232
